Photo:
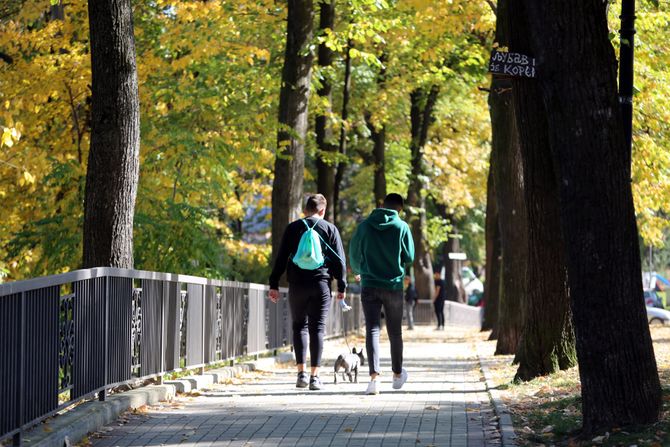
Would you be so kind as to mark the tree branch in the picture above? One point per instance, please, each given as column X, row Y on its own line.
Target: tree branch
column 493, row 6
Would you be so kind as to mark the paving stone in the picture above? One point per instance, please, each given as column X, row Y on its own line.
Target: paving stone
column 444, row 403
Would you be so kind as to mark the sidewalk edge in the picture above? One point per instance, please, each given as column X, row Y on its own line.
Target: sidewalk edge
column 508, row 436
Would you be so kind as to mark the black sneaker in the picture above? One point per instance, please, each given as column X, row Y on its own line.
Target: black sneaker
column 302, row 380
column 315, row 383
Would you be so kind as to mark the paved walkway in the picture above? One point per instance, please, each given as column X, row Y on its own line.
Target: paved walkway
column 444, row 403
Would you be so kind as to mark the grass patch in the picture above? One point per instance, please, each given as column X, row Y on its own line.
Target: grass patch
column 547, row 410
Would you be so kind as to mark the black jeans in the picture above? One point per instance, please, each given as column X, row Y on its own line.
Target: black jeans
column 439, row 312
column 373, row 300
column 309, row 305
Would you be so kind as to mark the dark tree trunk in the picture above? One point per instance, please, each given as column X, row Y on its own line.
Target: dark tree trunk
column 379, row 157
column 421, row 116
column 378, row 137
column 578, row 90
column 511, row 216
column 341, row 166
column 493, row 258
column 56, row 11
column 325, row 165
column 287, row 187
column 452, row 267
column 452, row 272
column 547, row 341
column 113, row 161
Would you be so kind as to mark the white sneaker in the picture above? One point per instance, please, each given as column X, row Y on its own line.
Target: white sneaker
column 398, row 382
column 373, row 387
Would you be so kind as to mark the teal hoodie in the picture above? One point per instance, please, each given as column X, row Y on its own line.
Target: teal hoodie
column 380, row 249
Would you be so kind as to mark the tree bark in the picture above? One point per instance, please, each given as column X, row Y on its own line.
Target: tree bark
column 547, row 341
column 493, row 258
column 325, row 166
column 452, row 267
column 341, row 166
column 113, row 161
column 578, row 91
column 378, row 137
column 512, row 218
column 421, row 116
column 57, row 11
column 287, row 188
column 452, row 272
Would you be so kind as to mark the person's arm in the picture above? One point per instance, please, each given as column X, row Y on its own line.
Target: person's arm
column 355, row 251
column 280, row 260
column 339, row 261
column 438, row 287
column 407, row 246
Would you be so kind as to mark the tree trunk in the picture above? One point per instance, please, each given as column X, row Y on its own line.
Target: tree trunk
column 287, row 188
column 512, row 218
column 452, row 272
column 378, row 137
column 113, row 161
column 57, row 11
column 421, row 115
column 547, row 341
column 341, row 166
column 578, row 91
column 452, row 267
column 379, row 157
column 493, row 258
column 325, row 165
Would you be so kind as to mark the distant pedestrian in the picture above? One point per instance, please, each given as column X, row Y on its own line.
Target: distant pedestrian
column 439, row 299
column 311, row 253
column 380, row 249
column 410, row 301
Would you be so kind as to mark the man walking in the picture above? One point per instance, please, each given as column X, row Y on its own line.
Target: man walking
column 309, row 283
column 380, row 249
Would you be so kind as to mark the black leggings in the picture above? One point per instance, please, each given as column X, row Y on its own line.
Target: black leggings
column 439, row 312
column 309, row 309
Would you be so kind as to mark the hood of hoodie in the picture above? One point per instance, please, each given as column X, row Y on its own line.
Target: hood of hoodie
column 383, row 219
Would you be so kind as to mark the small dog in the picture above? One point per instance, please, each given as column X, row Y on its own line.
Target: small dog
column 349, row 363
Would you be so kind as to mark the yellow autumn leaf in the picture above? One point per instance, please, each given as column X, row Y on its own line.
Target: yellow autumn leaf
column 28, row 177
column 6, row 139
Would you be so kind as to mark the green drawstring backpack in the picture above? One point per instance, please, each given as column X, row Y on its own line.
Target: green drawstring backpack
column 309, row 255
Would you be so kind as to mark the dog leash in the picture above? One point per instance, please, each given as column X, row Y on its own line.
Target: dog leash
column 345, row 308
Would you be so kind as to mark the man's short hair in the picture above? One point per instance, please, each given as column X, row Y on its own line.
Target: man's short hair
column 315, row 203
column 394, row 201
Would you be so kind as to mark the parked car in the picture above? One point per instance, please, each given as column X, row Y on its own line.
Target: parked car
column 658, row 316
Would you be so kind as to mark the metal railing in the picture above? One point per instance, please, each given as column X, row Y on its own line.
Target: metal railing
column 70, row 337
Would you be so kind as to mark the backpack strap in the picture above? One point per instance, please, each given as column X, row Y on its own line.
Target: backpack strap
column 322, row 239
column 331, row 248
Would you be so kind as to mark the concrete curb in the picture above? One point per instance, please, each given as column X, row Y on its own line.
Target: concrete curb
column 508, row 436
column 72, row 426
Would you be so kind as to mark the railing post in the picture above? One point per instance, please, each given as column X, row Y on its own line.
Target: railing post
column 102, row 394
column 203, row 330
column 17, row 440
